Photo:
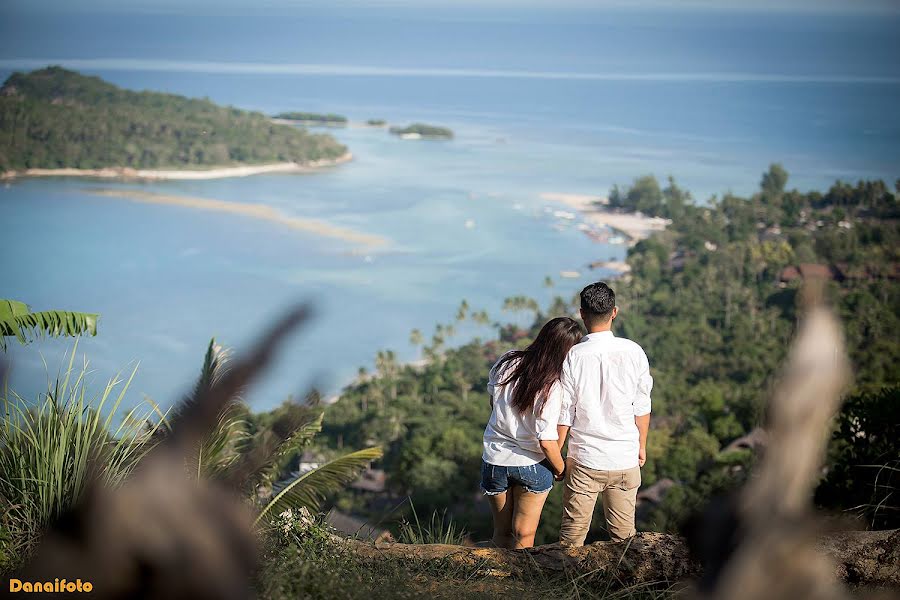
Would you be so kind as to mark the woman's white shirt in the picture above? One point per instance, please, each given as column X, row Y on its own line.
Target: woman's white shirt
column 512, row 439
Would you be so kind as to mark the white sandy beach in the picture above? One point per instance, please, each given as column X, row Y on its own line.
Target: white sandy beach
column 182, row 174
column 254, row 211
column 634, row 225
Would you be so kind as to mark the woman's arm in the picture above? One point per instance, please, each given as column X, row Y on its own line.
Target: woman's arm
column 551, row 451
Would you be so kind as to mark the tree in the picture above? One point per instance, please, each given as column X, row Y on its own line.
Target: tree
column 773, row 182
column 863, row 470
column 645, row 196
column 386, row 364
column 675, row 199
column 362, row 381
column 520, row 304
column 481, row 317
column 416, row 338
column 462, row 311
column 229, row 443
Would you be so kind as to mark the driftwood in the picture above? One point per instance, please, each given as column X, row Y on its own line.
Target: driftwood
column 864, row 558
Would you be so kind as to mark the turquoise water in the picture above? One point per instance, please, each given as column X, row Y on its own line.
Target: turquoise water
column 167, row 278
column 564, row 100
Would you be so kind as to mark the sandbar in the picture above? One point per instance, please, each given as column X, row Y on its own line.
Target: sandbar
column 262, row 212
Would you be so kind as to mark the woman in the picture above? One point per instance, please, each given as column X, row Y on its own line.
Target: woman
column 521, row 454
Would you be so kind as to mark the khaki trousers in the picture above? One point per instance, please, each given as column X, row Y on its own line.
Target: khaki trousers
column 619, row 490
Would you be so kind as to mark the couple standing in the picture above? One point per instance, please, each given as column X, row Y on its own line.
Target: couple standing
column 596, row 387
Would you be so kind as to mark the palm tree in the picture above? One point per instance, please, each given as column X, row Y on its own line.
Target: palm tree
column 481, row 317
column 548, row 284
column 463, row 310
column 362, row 379
column 229, row 444
column 518, row 304
column 462, row 383
column 223, row 447
column 386, row 363
column 17, row 320
column 311, row 488
column 434, row 351
column 416, row 338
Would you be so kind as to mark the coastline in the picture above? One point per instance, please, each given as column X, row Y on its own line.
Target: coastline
column 595, row 212
column 182, row 174
column 263, row 212
column 634, row 226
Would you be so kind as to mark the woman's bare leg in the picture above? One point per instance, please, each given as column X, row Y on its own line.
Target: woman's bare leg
column 527, row 515
column 502, row 507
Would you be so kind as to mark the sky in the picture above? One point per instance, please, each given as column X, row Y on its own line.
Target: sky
column 510, row 7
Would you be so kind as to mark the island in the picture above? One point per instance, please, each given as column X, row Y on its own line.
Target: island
column 376, row 122
column 55, row 121
column 311, row 118
column 421, row 130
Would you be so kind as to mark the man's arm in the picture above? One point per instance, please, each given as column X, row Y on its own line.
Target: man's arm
column 562, row 431
column 643, row 425
column 642, row 405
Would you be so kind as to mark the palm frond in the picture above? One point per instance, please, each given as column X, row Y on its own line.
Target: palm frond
column 309, row 489
column 310, row 424
column 223, row 446
column 16, row 320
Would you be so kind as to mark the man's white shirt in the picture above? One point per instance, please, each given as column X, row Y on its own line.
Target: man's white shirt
column 606, row 382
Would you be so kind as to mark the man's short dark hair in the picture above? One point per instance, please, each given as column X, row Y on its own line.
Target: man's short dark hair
column 598, row 301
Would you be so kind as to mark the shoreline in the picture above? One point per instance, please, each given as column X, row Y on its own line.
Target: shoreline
column 595, row 212
column 634, row 226
column 128, row 173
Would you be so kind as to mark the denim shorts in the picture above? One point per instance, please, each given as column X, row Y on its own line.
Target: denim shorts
column 537, row 479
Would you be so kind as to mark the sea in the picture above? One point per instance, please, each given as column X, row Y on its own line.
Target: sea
column 543, row 98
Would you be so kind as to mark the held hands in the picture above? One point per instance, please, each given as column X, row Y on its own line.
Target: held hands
column 560, row 476
column 642, row 456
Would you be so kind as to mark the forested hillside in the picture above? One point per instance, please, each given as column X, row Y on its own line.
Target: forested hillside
column 713, row 301
column 55, row 118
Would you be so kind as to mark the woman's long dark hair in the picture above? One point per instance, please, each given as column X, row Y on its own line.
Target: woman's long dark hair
column 541, row 363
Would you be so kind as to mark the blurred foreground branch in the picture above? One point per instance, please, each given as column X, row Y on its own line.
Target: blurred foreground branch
column 165, row 533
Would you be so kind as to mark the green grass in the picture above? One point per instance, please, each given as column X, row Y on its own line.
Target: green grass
column 51, row 447
column 439, row 530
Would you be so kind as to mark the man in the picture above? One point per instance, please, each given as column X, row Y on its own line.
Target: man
column 606, row 380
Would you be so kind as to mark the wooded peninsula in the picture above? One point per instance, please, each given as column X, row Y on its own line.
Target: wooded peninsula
column 54, row 118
